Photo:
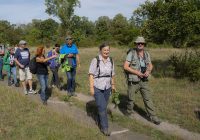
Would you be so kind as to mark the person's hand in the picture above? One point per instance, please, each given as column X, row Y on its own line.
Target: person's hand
column 54, row 56
column 70, row 55
column 92, row 91
column 141, row 75
column 21, row 66
column 113, row 89
column 146, row 74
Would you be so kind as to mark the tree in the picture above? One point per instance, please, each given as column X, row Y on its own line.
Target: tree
column 63, row 9
column 121, row 30
column 173, row 21
column 102, row 27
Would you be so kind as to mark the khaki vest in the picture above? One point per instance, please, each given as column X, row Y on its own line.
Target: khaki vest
column 135, row 64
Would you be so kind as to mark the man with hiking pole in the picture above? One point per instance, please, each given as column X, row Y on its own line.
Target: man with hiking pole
column 138, row 67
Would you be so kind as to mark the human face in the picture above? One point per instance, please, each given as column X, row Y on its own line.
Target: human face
column 105, row 51
column 140, row 45
column 23, row 45
column 69, row 41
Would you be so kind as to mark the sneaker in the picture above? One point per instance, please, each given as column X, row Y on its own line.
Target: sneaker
column 25, row 92
column 44, row 102
column 155, row 120
column 105, row 132
column 17, row 85
column 32, row 91
column 74, row 94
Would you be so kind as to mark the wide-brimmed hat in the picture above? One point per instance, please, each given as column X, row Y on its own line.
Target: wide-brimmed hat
column 140, row 39
column 22, row 42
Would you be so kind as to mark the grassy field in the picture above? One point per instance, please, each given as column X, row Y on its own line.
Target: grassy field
column 21, row 119
column 175, row 99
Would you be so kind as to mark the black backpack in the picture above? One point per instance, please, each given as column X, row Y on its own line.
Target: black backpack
column 33, row 65
column 98, row 61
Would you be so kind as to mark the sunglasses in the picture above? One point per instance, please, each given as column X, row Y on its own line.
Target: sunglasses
column 69, row 39
column 140, row 43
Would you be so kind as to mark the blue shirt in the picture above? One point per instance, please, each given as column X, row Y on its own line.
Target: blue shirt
column 66, row 49
column 23, row 56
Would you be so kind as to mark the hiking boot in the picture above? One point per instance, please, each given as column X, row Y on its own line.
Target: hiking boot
column 155, row 120
column 74, row 94
column 128, row 113
column 105, row 132
column 32, row 91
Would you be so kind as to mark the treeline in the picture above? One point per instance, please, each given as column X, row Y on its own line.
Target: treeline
column 170, row 22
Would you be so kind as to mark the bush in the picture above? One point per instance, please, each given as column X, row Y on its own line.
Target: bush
column 187, row 64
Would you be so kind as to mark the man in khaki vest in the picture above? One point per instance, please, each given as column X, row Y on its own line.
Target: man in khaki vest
column 138, row 66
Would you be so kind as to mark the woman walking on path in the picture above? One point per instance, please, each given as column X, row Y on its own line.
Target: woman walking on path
column 42, row 72
column 101, row 78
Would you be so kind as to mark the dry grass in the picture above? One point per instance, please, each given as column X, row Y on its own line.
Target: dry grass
column 22, row 119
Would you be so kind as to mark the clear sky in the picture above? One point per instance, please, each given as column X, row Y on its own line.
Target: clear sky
column 23, row 11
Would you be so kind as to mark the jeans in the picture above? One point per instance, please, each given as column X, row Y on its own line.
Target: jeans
column 55, row 77
column 43, row 79
column 13, row 72
column 71, row 80
column 1, row 67
column 101, row 99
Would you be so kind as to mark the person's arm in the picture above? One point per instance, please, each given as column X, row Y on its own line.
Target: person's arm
column 91, row 81
column 78, row 60
column 19, row 64
column 149, row 69
column 43, row 60
column 113, row 84
column 129, row 69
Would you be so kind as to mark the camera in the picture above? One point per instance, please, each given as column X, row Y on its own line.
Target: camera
column 143, row 70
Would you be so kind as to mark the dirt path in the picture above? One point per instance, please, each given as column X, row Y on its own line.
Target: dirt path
column 79, row 115
column 164, row 127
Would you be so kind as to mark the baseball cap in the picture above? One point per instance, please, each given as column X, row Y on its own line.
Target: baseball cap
column 140, row 39
column 22, row 42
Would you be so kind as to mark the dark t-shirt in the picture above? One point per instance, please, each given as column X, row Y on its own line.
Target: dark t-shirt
column 42, row 68
column 23, row 56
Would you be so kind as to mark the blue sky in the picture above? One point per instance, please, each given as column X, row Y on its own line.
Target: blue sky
column 23, row 11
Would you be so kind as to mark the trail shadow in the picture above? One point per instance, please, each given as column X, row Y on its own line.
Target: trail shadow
column 123, row 106
column 64, row 86
column 92, row 112
column 34, row 85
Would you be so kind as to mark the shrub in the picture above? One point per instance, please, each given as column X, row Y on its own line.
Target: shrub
column 187, row 64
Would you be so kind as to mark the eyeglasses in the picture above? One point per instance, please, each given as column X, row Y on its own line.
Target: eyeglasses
column 140, row 43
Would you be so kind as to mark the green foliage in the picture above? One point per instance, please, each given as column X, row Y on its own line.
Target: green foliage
column 174, row 21
column 187, row 65
column 63, row 9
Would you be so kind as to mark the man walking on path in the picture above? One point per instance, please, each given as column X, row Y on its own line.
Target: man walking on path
column 22, row 59
column 138, row 67
column 72, row 58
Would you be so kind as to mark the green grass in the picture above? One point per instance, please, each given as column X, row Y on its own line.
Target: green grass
column 174, row 99
column 23, row 119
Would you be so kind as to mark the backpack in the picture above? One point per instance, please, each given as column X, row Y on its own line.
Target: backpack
column 98, row 62
column 33, row 65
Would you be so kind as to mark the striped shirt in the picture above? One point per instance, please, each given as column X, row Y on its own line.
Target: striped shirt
column 102, row 83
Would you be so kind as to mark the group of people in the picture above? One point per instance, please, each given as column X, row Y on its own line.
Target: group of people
column 138, row 67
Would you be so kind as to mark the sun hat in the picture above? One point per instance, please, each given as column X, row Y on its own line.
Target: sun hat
column 140, row 39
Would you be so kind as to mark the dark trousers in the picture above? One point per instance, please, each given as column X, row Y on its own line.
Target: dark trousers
column 101, row 99
column 71, row 75
column 1, row 67
column 55, row 77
